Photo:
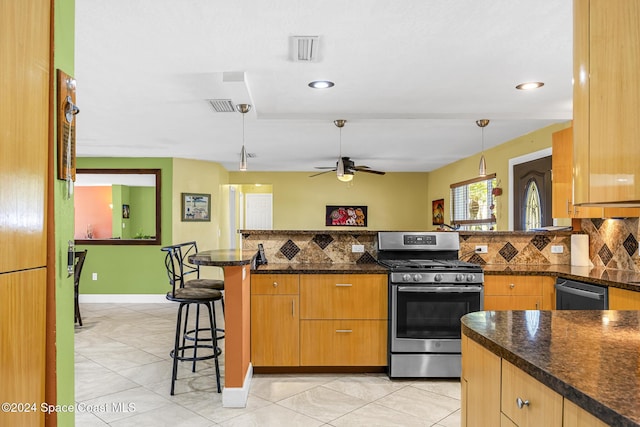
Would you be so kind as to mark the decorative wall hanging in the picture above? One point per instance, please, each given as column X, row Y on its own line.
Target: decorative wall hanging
column 196, row 207
column 350, row 216
column 438, row 211
column 125, row 211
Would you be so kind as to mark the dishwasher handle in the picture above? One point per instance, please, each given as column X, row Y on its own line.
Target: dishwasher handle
column 587, row 294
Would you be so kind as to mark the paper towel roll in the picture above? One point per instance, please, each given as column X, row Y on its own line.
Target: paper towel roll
column 580, row 250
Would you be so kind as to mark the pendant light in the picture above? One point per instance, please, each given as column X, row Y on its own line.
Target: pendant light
column 243, row 109
column 482, row 169
column 344, row 176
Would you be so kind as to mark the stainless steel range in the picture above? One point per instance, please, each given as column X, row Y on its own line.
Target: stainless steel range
column 429, row 291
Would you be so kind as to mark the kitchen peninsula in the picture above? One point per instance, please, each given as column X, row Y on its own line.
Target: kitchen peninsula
column 529, row 361
column 237, row 276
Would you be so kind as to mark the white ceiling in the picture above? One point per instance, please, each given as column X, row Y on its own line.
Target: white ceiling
column 411, row 78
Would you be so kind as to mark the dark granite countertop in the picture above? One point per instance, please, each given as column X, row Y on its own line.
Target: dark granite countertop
column 590, row 357
column 223, row 257
column 324, row 268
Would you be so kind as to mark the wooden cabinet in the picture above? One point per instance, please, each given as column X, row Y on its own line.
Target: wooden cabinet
column 519, row 293
column 622, row 299
column 497, row 393
column 480, row 385
column 606, row 127
column 343, row 320
column 528, row 402
column 562, row 184
column 275, row 316
column 318, row 320
column 574, row 416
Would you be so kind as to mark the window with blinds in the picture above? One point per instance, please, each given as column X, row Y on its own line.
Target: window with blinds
column 472, row 203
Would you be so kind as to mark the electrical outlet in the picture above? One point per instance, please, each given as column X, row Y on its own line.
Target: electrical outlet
column 557, row 249
column 94, row 276
column 482, row 249
column 357, row 248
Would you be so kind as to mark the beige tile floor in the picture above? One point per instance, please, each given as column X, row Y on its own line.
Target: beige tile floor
column 122, row 359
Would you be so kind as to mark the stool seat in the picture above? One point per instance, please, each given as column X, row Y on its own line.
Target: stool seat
column 205, row 283
column 190, row 295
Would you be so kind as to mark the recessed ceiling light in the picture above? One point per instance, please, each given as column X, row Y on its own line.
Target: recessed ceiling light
column 321, row 84
column 529, row 85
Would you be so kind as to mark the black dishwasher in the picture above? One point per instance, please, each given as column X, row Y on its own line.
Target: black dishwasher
column 572, row 295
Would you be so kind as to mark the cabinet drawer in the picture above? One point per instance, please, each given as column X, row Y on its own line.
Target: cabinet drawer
column 512, row 302
column 274, row 284
column 513, row 285
column 343, row 342
column 541, row 406
column 343, row 296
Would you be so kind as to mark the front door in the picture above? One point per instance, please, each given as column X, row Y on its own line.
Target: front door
column 532, row 194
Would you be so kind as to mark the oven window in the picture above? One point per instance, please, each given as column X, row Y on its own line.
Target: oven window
column 433, row 315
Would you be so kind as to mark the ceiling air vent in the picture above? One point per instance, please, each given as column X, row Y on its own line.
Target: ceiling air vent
column 222, row 105
column 305, row 48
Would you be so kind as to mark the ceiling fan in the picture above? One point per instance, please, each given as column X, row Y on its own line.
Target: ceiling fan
column 345, row 168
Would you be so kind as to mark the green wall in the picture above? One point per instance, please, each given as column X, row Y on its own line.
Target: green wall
column 395, row 201
column 64, row 22
column 130, row 269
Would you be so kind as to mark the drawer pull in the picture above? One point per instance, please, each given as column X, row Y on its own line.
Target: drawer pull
column 344, row 331
column 275, row 284
column 343, row 285
column 512, row 286
column 522, row 403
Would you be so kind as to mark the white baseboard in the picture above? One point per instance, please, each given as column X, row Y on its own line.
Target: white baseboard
column 123, row 298
column 236, row 397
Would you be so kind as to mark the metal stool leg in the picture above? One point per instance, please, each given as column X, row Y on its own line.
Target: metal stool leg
column 174, row 353
column 214, row 336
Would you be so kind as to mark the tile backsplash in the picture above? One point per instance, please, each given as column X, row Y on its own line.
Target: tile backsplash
column 613, row 243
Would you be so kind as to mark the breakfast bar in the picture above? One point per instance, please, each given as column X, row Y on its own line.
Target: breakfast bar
column 238, row 370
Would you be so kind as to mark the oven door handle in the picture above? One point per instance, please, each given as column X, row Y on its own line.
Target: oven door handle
column 440, row 289
column 562, row 287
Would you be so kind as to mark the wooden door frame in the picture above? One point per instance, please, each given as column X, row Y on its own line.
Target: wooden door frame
column 516, row 161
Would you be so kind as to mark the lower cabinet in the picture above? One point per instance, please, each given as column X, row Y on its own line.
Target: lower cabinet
column 497, row 393
column 275, row 320
column 318, row 320
column 622, row 299
column 515, row 292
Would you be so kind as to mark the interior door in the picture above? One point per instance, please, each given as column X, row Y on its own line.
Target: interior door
column 529, row 177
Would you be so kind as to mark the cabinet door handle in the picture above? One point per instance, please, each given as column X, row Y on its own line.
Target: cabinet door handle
column 344, row 331
column 343, row 285
column 275, row 284
column 568, row 207
column 537, row 305
column 293, row 308
column 521, row 403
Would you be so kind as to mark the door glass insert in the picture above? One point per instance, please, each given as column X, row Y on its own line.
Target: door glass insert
column 533, row 213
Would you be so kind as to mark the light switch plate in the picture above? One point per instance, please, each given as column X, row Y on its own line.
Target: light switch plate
column 357, row 248
column 94, row 276
column 557, row 249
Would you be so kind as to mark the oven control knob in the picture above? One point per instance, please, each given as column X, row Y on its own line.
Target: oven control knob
column 406, row 277
column 438, row 277
column 417, row 277
column 471, row 277
column 459, row 277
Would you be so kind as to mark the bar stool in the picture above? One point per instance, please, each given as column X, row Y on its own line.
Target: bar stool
column 184, row 250
column 187, row 297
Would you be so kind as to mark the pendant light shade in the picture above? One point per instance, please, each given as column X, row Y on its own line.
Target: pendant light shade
column 243, row 109
column 482, row 168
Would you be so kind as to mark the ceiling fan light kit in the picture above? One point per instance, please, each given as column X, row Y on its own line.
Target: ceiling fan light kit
column 243, row 109
column 482, row 168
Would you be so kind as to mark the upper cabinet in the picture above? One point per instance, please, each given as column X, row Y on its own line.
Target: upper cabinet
column 606, row 101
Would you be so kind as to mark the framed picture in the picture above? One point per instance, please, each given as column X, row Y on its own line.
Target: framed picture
column 125, row 211
column 349, row 216
column 196, row 207
column 438, row 211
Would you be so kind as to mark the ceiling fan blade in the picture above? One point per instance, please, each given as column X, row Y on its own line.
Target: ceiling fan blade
column 325, row 167
column 366, row 169
column 322, row 173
